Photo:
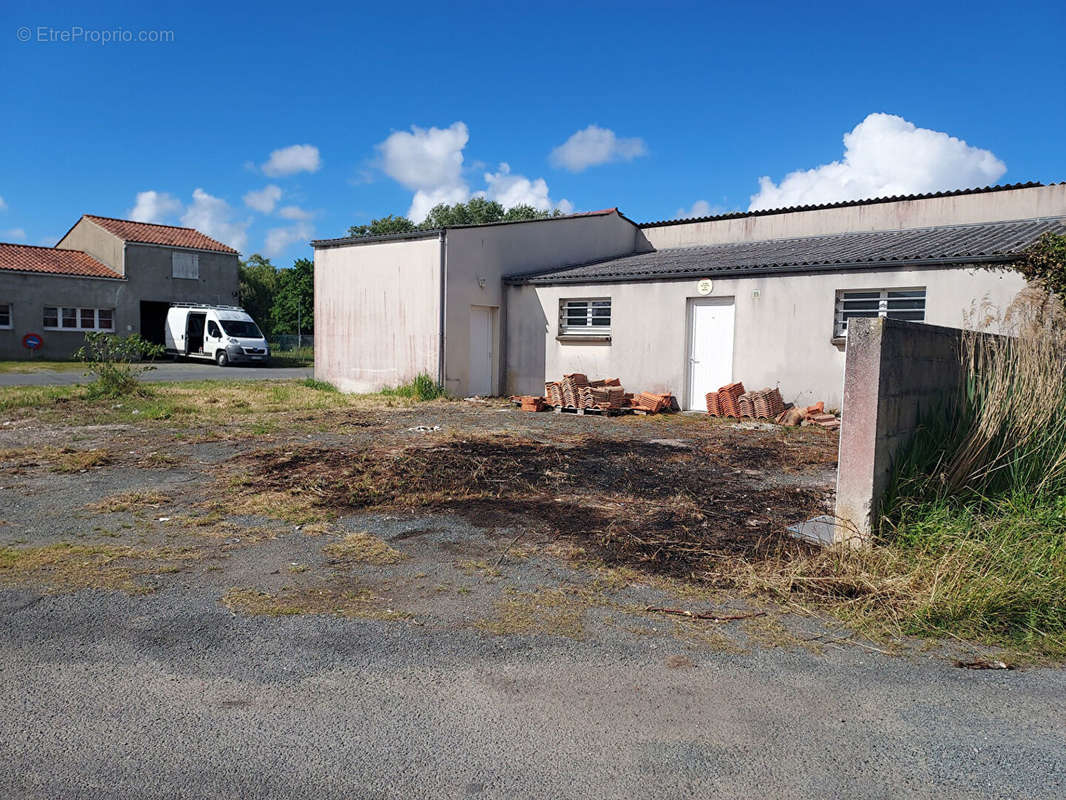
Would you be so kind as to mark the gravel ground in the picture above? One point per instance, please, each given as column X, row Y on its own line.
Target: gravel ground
column 169, row 647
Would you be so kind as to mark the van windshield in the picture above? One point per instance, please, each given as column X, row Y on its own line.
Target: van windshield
column 241, row 329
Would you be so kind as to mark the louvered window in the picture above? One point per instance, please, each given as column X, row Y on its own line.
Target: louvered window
column 906, row 304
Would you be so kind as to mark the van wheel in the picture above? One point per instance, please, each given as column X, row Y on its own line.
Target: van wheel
column 222, row 358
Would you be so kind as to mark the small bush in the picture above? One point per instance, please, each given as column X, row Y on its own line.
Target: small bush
column 112, row 360
column 421, row 388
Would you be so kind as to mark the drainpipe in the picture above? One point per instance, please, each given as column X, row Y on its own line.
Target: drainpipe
column 442, row 345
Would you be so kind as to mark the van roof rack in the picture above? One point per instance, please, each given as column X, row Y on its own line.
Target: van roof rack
column 206, row 305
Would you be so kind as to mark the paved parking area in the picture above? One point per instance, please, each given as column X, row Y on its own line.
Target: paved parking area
column 166, row 371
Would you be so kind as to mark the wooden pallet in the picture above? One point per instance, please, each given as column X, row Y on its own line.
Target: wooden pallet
column 603, row 412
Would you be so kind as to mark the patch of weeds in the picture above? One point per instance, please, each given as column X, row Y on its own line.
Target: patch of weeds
column 482, row 568
column 67, row 460
column 422, row 387
column 127, row 501
column 321, row 386
column 364, row 548
column 558, row 611
column 352, row 603
column 296, row 568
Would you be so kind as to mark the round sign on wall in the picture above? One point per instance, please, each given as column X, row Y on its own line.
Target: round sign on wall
column 704, row 286
column 32, row 341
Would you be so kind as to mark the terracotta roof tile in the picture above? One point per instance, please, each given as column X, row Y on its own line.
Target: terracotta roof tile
column 150, row 233
column 51, row 260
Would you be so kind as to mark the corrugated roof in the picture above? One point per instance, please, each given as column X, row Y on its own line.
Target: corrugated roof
column 845, row 203
column 52, row 261
column 151, row 233
column 431, row 232
column 952, row 244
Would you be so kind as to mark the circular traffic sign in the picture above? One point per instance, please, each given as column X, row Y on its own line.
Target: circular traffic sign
column 32, row 341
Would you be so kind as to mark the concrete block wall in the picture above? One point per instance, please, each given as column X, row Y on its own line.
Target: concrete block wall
column 895, row 373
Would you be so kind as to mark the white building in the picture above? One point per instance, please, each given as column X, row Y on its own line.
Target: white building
column 682, row 306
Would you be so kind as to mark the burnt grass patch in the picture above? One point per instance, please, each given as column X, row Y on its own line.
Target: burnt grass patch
column 639, row 503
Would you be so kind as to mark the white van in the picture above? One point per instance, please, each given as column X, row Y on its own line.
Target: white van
column 223, row 334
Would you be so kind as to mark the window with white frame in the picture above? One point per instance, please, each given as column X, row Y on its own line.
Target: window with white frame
column 906, row 304
column 66, row 318
column 5, row 316
column 185, row 265
column 591, row 316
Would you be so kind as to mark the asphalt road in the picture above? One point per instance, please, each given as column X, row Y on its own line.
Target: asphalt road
column 173, row 696
column 165, row 371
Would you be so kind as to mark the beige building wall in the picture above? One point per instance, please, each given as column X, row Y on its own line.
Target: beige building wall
column 783, row 334
column 1030, row 203
column 101, row 244
column 377, row 313
column 478, row 257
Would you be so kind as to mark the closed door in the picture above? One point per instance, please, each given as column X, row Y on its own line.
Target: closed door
column 482, row 350
column 710, row 348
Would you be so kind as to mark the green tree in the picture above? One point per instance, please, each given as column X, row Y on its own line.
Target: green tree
column 383, row 226
column 294, row 299
column 477, row 211
column 1045, row 263
column 258, row 283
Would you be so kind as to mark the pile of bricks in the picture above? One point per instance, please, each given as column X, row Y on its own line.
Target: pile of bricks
column 530, row 403
column 606, row 396
column 811, row 415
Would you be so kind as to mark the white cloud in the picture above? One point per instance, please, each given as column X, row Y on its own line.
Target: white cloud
column 293, row 159
column 701, row 208
column 885, row 155
column 213, row 216
column 294, row 212
column 279, row 239
column 595, row 145
column 429, row 162
column 15, row 234
column 263, row 200
column 153, row 206
column 513, row 190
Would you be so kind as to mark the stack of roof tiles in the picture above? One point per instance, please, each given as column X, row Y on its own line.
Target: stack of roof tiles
column 729, row 399
column 712, row 404
column 767, row 403
column 606, row 397
column 651, row 402
column 745, row 404
column 553, row 392
column 571, row 387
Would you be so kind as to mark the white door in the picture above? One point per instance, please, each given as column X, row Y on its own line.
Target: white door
column 482, row 323
column 710, row 348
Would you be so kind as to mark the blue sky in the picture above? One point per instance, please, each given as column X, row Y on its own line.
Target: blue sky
column 690, row 105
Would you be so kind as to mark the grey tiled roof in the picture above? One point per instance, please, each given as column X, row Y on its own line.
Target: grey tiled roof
column 955, row 244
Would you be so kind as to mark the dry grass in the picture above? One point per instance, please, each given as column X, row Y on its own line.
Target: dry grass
column 294, row 507
column 556, row 611
column 346, row 602
column 70, row 567
column 68, row 460
column 128, row 501
column 364, row 548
